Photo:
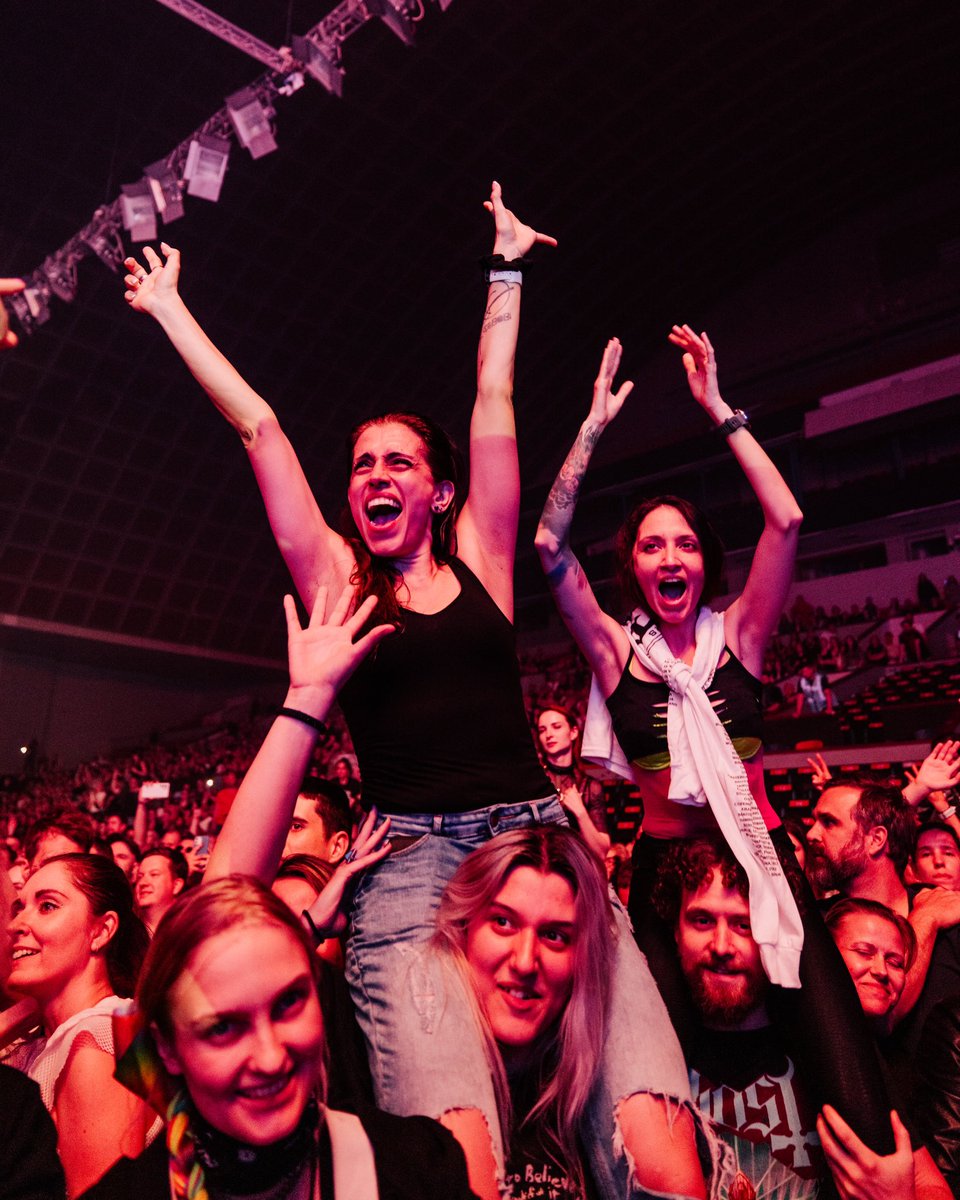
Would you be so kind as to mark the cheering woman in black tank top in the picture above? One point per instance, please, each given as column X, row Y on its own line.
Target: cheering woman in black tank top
column 430, row 755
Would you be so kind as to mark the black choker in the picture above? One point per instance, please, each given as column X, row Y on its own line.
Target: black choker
column 242, row 1169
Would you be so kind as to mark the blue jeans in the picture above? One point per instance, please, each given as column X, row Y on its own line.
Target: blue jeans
column 426, row 1054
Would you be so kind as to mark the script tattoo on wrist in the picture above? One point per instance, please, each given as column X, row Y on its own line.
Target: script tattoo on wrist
column 487, row 325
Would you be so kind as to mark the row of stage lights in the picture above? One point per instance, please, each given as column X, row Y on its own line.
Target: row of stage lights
column 198, row 165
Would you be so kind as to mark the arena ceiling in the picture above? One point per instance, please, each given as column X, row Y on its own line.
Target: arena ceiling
column 676, row 151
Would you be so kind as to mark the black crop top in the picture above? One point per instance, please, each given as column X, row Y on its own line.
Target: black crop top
column 638, row 710
column 436, row 712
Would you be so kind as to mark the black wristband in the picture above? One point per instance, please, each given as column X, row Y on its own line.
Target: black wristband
column 297, row 715
column 318, row 936
column 738, row 419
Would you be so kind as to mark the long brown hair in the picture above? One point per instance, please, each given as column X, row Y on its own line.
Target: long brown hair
column 377, row 576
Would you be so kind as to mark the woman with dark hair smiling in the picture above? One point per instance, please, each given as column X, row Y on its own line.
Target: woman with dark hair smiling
column 675, row 708
column 77, row 946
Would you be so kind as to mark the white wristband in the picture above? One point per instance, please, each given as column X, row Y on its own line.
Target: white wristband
column 947, row 813
column 504, row 277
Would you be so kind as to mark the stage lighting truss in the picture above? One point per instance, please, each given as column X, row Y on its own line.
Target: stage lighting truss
column 199, row 163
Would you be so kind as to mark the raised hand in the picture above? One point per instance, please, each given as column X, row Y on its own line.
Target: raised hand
column 148, row 287
column 700, row 363
column 325, row 654
column 821, row 772
column 513, row 238
column 940, row 770
column 607, row 403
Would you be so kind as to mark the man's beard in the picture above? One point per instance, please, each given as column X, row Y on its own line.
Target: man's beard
column 833, row 876
column 725, row 1006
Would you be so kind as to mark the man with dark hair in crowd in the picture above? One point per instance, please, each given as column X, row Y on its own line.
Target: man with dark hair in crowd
column 160, row 879
column 321, row 821
column 936, row 856
column 65, row 832
column 741, row 1073
column 125, row 852
column 859, row 844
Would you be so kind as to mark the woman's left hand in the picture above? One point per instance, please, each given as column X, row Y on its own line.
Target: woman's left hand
column 328, row 911
column 700, row 363
column 514, row 239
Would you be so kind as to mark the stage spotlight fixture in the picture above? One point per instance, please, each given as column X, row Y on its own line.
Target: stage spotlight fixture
column 103, row 238
column 394, row 14
column 206, row 166
column 138, row 211
column 166, row 191
column 251, row 119
column 322, row 63
column 32, row 305
column 62, row 278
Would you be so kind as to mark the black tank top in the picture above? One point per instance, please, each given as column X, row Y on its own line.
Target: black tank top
column 436, row 712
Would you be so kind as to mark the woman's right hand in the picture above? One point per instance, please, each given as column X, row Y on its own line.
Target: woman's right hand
column 607, row 403
column 328, row 914
column 148, row 288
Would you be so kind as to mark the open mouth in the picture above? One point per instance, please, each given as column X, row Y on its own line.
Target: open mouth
column 269, row 1089
column 383, row 510
column 23, row 952
column 520, row 997
column 672, row 589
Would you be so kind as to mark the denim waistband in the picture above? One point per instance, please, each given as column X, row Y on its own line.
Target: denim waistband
column 477, row 822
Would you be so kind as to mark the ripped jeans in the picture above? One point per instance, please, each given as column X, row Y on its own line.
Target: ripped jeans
column 426, row 1055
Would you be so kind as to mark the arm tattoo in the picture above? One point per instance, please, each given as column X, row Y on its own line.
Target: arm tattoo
column 500, row 294
column 558, row 511
column 495, row 321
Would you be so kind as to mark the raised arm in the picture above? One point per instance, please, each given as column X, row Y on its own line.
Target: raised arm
column 753, row 616
column 313, row 552
column 600, row 638
column 487, row 526
column 322, row 657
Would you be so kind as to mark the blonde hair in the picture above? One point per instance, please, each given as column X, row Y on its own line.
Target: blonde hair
column 573, row 1049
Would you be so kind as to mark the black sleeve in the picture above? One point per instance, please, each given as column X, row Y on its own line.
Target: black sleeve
column 416, row 1158
column 29, row 1166
column 937, row 1101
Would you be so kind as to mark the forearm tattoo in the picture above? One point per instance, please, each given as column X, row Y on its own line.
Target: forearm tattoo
column 558, row 511
column 487, row 325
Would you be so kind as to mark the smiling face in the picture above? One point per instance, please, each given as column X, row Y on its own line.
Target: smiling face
column 719, row 957
column 247, row 1042
column 53, row 933
column 556, row 736
column 392, row 493
column 668, row 565
column 157, row 885
column 521, row 951
column 936, row 859
column 873, row 950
